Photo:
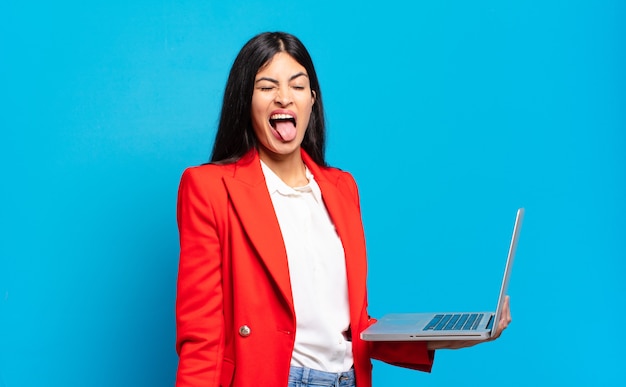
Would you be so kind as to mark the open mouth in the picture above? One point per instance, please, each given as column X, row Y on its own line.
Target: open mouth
column 275, row 118
column 284, row 125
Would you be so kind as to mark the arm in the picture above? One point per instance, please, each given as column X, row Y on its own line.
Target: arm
column 199, row 316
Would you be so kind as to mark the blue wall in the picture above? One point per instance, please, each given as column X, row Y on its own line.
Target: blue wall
column 449, row 114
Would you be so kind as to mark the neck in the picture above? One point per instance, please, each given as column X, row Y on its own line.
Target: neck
column 290, row 168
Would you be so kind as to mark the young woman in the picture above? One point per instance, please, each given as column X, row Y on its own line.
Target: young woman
column 272, row 276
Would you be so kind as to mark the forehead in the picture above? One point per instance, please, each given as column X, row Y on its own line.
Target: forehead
column 281, row 64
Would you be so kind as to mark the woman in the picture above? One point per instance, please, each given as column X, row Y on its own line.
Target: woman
column 272, row 276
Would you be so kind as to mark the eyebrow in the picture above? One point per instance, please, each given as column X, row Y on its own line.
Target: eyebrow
column 300, row 74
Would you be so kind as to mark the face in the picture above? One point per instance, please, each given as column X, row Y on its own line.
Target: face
column 281, row 106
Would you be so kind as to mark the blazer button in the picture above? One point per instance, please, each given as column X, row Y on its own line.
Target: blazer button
column 244, row 331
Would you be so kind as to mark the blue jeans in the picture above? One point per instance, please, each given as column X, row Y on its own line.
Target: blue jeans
column 303, row 377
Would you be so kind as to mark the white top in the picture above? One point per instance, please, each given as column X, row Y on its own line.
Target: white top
column 317, row 271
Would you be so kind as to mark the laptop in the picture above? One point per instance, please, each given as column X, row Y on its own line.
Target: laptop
column 448, row 325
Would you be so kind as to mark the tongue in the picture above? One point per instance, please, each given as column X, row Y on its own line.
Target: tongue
column 286, row 129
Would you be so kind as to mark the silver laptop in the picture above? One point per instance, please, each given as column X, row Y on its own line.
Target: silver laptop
column 448, row 325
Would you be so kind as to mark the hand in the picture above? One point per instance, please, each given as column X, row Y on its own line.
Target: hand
column 505, row 320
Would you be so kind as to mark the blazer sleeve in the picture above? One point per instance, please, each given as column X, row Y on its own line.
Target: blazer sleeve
column 408, row 354
column 199, row 311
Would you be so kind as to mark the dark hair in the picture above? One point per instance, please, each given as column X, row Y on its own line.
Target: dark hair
column 235, row 135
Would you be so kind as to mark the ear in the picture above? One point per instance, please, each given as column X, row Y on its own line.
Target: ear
column 313, row 96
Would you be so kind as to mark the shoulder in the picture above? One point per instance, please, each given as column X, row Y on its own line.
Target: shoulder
column 338, row 176
column 342, row 180
column 204, row 179
column 334, row 175
column 209, row 171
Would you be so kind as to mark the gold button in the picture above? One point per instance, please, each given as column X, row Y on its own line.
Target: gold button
column 244, row 331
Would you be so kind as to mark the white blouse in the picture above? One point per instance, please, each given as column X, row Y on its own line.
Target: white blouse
column 317, row 272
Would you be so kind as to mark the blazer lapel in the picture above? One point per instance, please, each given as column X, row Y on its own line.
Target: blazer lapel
column 253, row 205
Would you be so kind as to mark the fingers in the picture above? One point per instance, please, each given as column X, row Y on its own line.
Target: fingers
column 505, row 317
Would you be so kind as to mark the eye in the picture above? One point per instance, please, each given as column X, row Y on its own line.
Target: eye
column 298, row 87
column 266, row 88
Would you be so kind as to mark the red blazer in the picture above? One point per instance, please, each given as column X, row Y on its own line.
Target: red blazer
column 234, row 309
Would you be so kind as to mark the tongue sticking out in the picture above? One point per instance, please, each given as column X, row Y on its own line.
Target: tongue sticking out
column 286, row 129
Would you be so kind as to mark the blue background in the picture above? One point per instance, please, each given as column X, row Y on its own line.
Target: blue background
column 450, row 115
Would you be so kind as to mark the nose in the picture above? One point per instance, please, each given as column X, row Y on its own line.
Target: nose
column 283, row 96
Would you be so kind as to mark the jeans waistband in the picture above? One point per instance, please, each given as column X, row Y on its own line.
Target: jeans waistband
column 307, row 376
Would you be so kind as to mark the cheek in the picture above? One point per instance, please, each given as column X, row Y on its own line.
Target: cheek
column 257, row 114
column 308, row 112
column 305, row 107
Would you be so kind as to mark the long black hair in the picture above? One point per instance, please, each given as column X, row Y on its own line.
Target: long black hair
column 235, row 135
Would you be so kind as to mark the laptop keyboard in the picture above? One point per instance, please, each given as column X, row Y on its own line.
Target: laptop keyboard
column 456, row 321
